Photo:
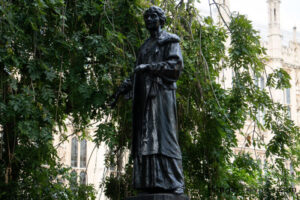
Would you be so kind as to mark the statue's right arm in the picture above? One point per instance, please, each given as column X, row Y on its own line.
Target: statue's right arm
column 124, row 89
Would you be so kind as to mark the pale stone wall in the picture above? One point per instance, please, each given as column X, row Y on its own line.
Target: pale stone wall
column 288, row 58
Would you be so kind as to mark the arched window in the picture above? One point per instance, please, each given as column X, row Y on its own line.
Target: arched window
column 74, row 152
column 83, row 178
column 274, row 14
column 83, row 152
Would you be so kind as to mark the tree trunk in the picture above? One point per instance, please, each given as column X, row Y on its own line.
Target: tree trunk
column 9, row 140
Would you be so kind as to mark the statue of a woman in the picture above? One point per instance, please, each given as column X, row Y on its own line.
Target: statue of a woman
column 155, row 148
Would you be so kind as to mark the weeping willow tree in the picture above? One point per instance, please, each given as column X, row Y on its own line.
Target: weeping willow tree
column 65, row 58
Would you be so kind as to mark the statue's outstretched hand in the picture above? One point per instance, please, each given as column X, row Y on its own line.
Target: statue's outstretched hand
column 141, row 67
column 112, row 100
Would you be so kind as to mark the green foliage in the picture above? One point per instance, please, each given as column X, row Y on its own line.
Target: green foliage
column 279, row 79
column 211, row 116
column 80, row 191
column 61, row 59
column 47, row 51
column 119, row 187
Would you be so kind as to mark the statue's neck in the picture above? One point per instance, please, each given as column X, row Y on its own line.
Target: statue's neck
column 155, row 33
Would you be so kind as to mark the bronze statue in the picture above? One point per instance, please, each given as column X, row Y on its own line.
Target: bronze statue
column 155, row 148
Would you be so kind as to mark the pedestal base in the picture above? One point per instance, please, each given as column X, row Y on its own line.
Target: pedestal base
column 159, row 197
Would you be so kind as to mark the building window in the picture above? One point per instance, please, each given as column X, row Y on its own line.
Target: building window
column 83, row 153
column 287, row 101
column 74, row 152
column 83, row 178
column 274, row 14
column 260, row 82
column 260, row 116
column 288, row 96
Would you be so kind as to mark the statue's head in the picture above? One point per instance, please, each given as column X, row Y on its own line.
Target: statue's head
column 154, row 17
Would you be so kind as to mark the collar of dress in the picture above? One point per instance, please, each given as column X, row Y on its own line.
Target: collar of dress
column 166, row 37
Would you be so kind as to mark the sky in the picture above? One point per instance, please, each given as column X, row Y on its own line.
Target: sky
column 257, row 11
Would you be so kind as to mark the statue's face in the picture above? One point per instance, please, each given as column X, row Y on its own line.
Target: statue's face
column 152, row 20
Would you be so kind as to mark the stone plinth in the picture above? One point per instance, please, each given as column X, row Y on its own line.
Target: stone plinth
column 159, row 197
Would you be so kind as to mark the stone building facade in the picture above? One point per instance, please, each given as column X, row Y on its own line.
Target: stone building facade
column 280, row 56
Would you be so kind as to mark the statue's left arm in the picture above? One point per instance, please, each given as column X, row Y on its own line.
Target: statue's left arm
column 171, row 65
column 170, row 68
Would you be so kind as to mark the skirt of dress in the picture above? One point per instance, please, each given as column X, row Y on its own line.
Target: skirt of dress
column 158, row 172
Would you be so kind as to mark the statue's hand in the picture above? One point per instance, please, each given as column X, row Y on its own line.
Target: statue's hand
column 112, row 100
column 141, row 67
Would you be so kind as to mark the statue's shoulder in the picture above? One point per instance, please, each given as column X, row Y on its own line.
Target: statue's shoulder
column 167, row 37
